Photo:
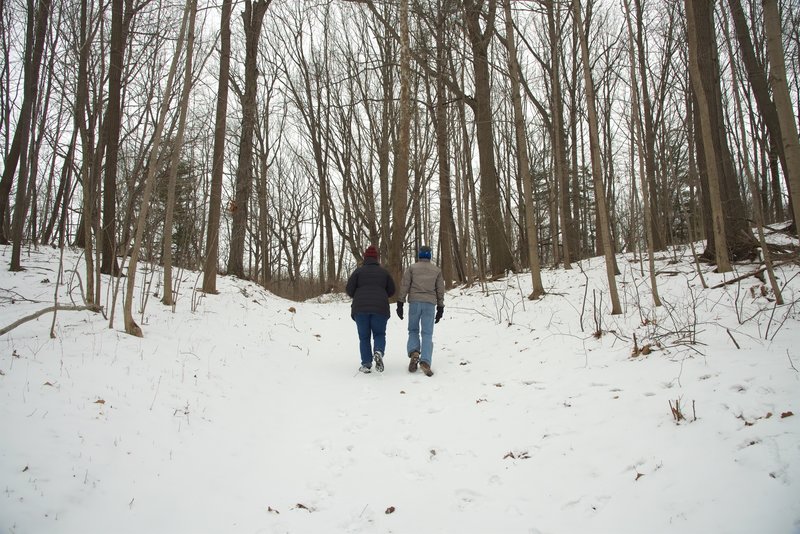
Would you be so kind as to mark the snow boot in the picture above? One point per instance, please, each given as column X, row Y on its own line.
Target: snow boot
column 414, row 360
column 364, row 369
column 426, row 368
column 379, row 361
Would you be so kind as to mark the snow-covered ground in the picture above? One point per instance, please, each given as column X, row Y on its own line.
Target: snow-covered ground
column 244, row 412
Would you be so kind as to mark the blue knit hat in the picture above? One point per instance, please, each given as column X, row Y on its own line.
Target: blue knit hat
column 425, row 252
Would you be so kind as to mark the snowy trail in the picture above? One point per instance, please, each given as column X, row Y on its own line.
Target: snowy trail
column 249, row 416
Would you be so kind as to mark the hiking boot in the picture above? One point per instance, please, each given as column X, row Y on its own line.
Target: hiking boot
column 379, row 361
column 426, row 368
column 364, row 369
column 413, row 361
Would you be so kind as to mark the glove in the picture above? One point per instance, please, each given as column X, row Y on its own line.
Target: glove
column 439, row 313
column 400, row 310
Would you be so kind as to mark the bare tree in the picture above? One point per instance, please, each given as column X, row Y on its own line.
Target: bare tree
column 649, row 145
column 183, row 106
column 783, row 101
column 130, row 325
column 641, row 143
column 480, row 29
column 38, row 17
column 218, row 158
column 450, row 255
column 253, row 18
column 597, row 171
column 559, row 141
column 400, row 181
column 756, row 75
column 750, row 180
column 523, row 161
column 122, row 13
column 694, row 30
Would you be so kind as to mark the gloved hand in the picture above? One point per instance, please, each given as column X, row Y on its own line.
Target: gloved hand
column 439, row 313
column 400, row 310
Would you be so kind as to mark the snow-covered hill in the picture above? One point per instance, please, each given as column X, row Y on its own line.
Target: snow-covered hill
column 244, row 412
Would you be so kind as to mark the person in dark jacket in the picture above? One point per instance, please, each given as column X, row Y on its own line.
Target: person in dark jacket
column 370, row 287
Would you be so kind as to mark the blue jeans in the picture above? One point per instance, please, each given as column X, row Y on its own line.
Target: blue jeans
column 420, row 317
column 370, row 325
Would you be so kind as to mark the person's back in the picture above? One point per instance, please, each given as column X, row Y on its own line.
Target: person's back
column 423, row 285
column 370, row 286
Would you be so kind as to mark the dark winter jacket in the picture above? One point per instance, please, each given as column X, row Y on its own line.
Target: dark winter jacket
column 370, row 286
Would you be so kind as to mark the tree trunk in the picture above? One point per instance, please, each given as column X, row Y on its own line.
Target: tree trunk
column 739, row 237
column 523, row 161
column 696, row 23
column 757, row 77
column 450, row 257
column 130, row 325
column 646, row 183
column 597, row 171
column 400, row 182
column 34, row 49
column 559, row 141
column 253, row 18
column 649, row 147
column 113, row 125
column 183, row 106
column 218, row 158
column 783, row 101
column 500, row 258
column 757, row 208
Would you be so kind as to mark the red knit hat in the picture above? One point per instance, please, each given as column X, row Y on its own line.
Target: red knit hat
column 371, row 252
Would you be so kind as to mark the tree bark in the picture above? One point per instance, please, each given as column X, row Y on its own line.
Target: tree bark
column 559, row 141
column 638, row 134
column 183, row 106
column 34, row 50
column 253, row 18
column 130, row 325
column 757, row 77
column 109, row 263
column 597, row 171
column 649, row 147
column 400, row 182
column 450, row 256
column 523, row 161
column 783, row 101
column 210, row 265
column 696, row 24
column 500, row 259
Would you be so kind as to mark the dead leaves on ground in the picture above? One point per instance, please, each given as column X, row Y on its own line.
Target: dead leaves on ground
column 517, row 456
column 301, row 506
column 768, row 415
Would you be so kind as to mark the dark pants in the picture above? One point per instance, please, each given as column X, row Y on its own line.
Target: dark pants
column 370, row 325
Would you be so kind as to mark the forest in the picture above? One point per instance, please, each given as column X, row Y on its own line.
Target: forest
column 273, row 140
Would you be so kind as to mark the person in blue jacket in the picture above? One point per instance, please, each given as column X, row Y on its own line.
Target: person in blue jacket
column 370, row 287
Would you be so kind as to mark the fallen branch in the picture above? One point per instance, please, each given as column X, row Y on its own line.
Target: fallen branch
column 733, row 339
column 39, row 313
column 748, row 275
